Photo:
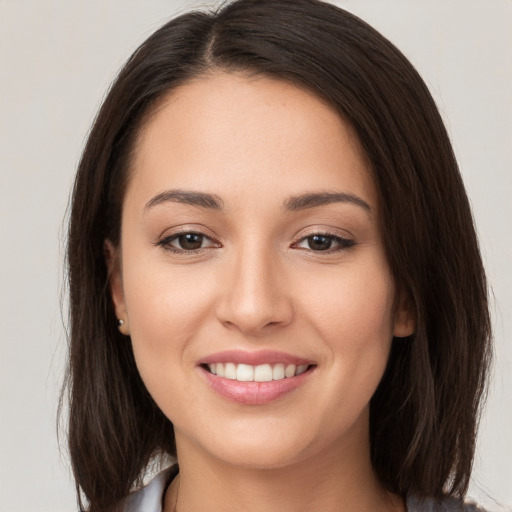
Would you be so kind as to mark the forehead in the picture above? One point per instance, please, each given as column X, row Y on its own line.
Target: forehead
column 231, row 131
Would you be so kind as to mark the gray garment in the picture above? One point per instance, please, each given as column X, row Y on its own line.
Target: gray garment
column 149, row 498
column 448, row 505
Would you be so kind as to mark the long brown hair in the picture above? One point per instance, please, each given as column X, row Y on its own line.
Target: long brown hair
column 424, row 415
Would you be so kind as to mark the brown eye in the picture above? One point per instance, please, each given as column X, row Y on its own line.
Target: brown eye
column 320, row 242
column 189, row 241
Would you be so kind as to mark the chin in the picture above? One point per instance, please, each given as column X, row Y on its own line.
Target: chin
column 264, row 446
column 257, row 458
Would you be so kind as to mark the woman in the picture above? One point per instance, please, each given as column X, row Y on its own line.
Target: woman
column 274, row 275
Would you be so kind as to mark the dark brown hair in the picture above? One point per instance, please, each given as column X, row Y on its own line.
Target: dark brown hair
column 424, row 414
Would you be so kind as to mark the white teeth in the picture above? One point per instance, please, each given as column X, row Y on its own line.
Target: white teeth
column 290, row 370
column 245, row 373
column 260, row 373
column 301, row 369
column 263, row 373
column 230, row 371
column 278, row 372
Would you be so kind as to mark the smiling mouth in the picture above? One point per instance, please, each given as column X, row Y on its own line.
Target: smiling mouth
column 260, row 373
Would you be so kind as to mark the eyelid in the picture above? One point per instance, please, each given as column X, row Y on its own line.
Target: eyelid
column 344, row 239
column 325, row 231
column 343, row 243
column 169, row 235
column 184, row 229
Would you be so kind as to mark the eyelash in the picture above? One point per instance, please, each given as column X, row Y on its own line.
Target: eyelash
column 165, row 242
column 343, row 243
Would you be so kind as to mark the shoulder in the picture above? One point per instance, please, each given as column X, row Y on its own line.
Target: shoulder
column 415, row 504
column 149, row 498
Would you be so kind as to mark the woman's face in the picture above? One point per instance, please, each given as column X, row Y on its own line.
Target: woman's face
column 251, row 243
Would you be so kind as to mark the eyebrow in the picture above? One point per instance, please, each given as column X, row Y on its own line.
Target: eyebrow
column 293, row 204
column 312, row 200
column 210, row 201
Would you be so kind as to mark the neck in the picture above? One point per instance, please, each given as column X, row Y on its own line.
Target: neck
column 331, row 481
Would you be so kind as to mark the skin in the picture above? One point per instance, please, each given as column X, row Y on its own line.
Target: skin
column 256, row 284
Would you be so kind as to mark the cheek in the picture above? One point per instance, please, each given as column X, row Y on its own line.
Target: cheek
column 354, row 323
column 353, row 316
column 352, row 307
column 166, row 308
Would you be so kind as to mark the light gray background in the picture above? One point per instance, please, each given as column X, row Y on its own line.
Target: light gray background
column 57, row 58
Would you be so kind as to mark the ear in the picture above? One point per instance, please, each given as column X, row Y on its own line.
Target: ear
column 405, row 316
column 113, row 262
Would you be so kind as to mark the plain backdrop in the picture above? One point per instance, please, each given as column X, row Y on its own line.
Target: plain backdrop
column 57, row 58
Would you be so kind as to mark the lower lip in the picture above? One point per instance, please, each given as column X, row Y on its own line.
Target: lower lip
column 254, row 393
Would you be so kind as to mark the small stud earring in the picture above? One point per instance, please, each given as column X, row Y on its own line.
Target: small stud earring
column 123, row 328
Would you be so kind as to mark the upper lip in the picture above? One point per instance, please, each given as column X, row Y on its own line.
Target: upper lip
column 253, row 358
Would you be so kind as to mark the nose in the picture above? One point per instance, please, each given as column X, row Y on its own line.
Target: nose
column 255, row 296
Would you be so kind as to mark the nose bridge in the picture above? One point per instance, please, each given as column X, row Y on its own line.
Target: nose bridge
column 254, row 297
